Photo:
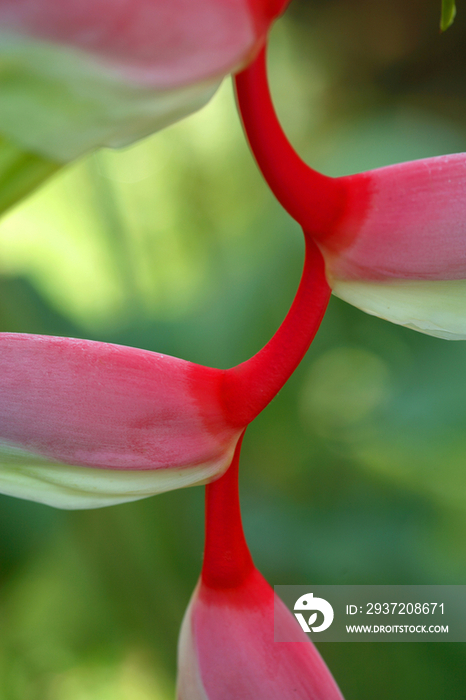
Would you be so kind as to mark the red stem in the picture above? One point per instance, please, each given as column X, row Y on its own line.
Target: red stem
column 250, row 386
column 314, row 200
column 227, row 560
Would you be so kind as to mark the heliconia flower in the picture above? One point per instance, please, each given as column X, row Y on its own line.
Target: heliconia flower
column 78, row 75
column 226, row 649
column 393, row 239
column 86, row 424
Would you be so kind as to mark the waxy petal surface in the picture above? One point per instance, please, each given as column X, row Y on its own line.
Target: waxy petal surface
column 164, row 42
column 404, row 221
column 85, row 424
column 76, row 76
column 435, row 308
column 399, row 252
column 79, row 103
column 29, row 476
column 227, row 649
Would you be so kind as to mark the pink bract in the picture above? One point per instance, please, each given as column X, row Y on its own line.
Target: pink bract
column 227, row 649
column 166, row 43
column 109, row 406
column 85, row 424
column 80, row 75
column 393, row 239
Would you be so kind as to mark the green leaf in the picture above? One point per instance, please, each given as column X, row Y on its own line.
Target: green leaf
column 20, row 173
column 448, row 14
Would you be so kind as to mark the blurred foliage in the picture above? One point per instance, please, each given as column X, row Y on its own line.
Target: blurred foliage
column 448, row 14
column 20, row 173
column 356, row 473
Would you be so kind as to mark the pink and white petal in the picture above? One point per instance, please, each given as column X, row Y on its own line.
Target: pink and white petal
column 109, row 407
column 80, row 103
column 227, row 649
column 165, row 44
column 436, row 308
column 34, row 478
column 405, row 221
column 76, row 76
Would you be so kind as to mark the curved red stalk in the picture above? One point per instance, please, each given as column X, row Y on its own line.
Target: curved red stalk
column 314, row 200
column 227, row 560
column 250, row 386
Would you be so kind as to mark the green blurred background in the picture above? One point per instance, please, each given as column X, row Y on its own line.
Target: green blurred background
column 356, row 473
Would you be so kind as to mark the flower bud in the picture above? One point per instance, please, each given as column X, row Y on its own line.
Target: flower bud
column 227, row 649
